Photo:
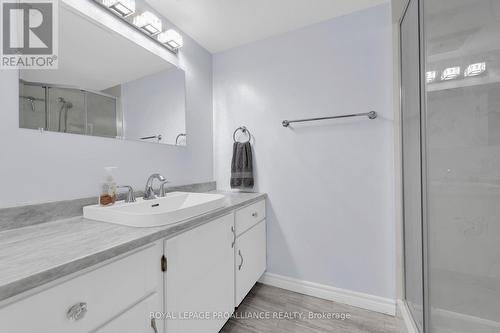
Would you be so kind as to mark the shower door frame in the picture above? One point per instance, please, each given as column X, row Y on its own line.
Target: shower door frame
column 423, row 160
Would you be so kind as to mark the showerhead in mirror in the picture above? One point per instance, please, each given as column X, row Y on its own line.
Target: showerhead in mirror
column 65, row 105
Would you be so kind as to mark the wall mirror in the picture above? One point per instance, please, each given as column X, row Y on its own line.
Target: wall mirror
column 106, row 85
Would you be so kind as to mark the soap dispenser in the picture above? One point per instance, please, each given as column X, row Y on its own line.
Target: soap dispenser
column 108, row 188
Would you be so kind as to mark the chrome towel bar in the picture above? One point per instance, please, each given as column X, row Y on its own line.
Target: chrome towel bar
column 158, row 137
column 370, row 115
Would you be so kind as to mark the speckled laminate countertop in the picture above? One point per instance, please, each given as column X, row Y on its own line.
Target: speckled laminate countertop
column 33, row 256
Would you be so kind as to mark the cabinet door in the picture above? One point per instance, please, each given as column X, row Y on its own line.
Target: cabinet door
column 137, row 319
column 200, row 278
column 250, row 259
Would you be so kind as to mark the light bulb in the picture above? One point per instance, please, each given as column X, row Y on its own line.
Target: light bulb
column 430, row 76
column 121, row 7
column 148, row 22
column 475, row 69
column 172, row 38
column 450, row 73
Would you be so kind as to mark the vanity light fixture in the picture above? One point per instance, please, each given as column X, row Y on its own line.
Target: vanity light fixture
column 450, row 73
column 171, row 38
column 145, row 21
column 430, row 76
column 123, row 8
column 148, row 22
column 475, row 69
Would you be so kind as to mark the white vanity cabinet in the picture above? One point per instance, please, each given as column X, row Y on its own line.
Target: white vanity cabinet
column 210, row 269
column 194, row 280
column 250, row 249
column 199, row 278
column 116, row 294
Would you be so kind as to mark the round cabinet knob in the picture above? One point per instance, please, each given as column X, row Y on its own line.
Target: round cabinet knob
column 254, row 214
column 77, row 311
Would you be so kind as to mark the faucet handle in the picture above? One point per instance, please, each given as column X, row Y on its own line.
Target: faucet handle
column 130, row 194
column 163, row 190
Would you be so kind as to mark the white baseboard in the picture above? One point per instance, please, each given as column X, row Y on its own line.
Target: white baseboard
column 357, row 299
column 404, row 312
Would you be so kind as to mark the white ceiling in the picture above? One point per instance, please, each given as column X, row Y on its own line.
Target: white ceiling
column 219, row 25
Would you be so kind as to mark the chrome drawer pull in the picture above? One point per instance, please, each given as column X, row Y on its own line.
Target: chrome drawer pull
column 77, row 311
column 234, row 236
column 241, row 263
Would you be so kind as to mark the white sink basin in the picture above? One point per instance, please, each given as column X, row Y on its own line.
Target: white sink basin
column 175, row 207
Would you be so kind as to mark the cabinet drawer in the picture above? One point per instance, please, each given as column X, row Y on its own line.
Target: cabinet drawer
column 137, row 319
column 105, row 292
column 249, row 216
column 250, row 260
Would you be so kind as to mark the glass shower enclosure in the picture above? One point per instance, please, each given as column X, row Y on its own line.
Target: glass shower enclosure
column 68, row 110
column 450, row 104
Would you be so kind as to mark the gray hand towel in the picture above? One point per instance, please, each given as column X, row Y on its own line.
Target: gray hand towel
column 241, row 166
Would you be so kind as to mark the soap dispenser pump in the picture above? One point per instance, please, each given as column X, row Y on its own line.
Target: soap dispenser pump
column 108, row 188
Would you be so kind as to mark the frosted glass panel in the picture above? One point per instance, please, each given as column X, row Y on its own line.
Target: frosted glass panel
column 463, row 161
column 102, row 118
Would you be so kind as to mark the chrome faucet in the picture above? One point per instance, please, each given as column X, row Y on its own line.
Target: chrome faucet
column 130, row 195
column 149, row 193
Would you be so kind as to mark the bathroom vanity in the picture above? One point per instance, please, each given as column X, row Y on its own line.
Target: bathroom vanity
column 190, row 275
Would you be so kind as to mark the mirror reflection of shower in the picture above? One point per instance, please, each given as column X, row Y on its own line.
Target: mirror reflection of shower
column 65, row 106
column 31, row 100
column 69, row 109
column 36, row 111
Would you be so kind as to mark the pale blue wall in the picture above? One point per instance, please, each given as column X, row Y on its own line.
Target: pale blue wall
column 330, row 184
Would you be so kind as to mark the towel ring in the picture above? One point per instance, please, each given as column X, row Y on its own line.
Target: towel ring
column 244, row 130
